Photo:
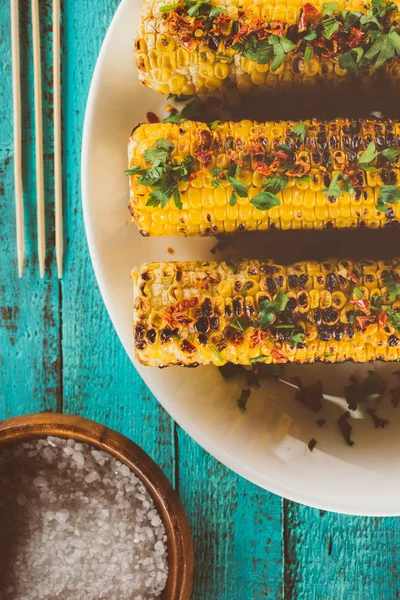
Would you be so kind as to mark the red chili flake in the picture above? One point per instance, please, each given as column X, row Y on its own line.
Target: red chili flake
column 204, row 158
column 188, row 43
column 382, row 319
column 205, row 139
column 242, row 31
column 192, row 176
column 355, row 37
column 300, row 168
column 278, row 356
column 176, row 314
column 188, row 303
column 362, row 303
column 365, row 322
column 257, row 146
column 349, row 275
column 261, row 167
column 235, row 157
column 258, row 337
column 152, row 118
column 220, row 23
column 308, row 10
column 275, row 27
column 178, row 25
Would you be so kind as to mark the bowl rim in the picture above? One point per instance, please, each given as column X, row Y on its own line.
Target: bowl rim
column 180, row 540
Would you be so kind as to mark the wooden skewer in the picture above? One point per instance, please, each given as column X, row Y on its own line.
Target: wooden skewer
column 57, row 137
column 16, row 77
column 37, row 77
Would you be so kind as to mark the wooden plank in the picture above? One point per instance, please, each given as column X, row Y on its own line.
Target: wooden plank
column 337, row 557
column 237, row 529
column 29, row 309
column 99, row 381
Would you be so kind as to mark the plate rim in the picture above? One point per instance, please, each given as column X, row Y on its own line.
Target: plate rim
column 223, row 456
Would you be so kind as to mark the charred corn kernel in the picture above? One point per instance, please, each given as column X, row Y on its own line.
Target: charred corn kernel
column 192, row 313
column 305, row 208
column 187, row 39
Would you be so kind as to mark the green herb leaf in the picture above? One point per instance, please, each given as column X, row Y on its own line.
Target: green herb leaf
column 177, row 199
column 393, row 289
column 233, row 199
column 369, row 155
column 169, row 7
column 296, row 338
column 276, row 184
column 268, row 310
column 136, row 170
column 265, row 201
column 358, row 292
column 300, row 131
column 217, row 354
column 279, row 57
column 257, row 359
column 237, row 325
column 391, row 154
column 330, row 27
column 334, row 189
column 329, row 8
column 159, row 154
column 232, row 266
column 238, row 186
column 223, row 57
column 214, row 124
column 159, row 198
column 261, row 51
column 349, row 60
column 311, row 36
column 307, row 54
column 389, row 194
column 393, row 316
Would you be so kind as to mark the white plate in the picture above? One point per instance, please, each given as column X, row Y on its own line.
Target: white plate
column 268, row 444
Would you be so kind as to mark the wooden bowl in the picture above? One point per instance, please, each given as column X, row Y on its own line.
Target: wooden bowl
column 180, row 542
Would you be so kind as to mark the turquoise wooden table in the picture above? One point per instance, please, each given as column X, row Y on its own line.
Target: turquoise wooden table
column 58, row 351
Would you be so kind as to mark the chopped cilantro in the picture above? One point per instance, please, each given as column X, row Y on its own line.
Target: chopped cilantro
column 237, row 325
column 300, row 131
column 225, row 58
column 372, row 387
column 169, row 7
column 213, row 126
column 239, row 187
column 265, row 201
column 217, row 354
column 389, row 194
column 358, row 292
column 163, row 176
column 257, row 359
column 330, row 26
column 232, row 266
column 307, row 54
column 329, row 8
column 296, row 338
column 393, row 289
column 335, row 189
column 233, row 199
column 393, row 316
column 268, row 310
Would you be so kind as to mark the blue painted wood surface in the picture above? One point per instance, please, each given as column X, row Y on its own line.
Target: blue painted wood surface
column 58, row 350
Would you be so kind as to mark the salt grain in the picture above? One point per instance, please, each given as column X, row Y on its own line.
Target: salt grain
column 76, row 524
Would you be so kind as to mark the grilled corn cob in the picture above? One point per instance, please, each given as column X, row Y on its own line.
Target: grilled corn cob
column 225, row 177
column 194, row 46
column 248, row 311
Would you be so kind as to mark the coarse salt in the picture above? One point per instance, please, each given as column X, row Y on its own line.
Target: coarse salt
column 76, row 524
